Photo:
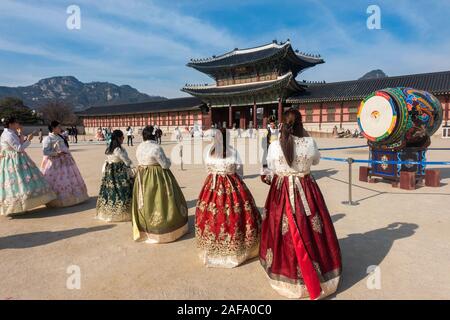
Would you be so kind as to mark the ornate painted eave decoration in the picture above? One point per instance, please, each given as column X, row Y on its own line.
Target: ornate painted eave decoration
column 260, row 54
column 285, row 82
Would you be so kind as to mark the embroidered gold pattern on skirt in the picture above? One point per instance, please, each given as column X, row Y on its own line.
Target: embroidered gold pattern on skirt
column 317, row 268
column 212, row 208
column 225, row 244
column 247, row 206
column 284, row 224
column 201, row 205
column 269, row 258
column 237, row 208
column 316, row 224
column 264, row 214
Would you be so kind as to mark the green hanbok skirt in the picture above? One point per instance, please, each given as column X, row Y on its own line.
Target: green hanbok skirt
column 22, row 185
column 116, row 192
column 159, row 209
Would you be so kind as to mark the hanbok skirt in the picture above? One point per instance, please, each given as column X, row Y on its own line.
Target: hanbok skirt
column 62, row 173
column 299, row 248
column 159, row 209
column 22, row 185
column 116, row 193
column 227, row 222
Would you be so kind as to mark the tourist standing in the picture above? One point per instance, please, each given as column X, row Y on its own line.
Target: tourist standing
column 178, row 135
column 158, row 133
column 75, row 134
column 22, row 185
column 130, row 136
column 116, row 190
column 239, row 133
column 108, row 136
column 299, row 248
column 227, row 221
column 61, row 171
column 159, row 209
column 272, row 133
column 40, row 136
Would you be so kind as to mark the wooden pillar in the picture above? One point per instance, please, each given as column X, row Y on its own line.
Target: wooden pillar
column 265, row 116
column 243, row 118
column 230, row 117
column 207, row 119
column 320, row 116
column 446, row 110
column 341, row 115
column 254, row 115
column 280, row 110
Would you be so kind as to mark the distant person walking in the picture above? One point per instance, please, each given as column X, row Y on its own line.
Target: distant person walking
column 158, row 134
column 75, row 134
column 40, row 136
column 130, row 136
column 178, row 135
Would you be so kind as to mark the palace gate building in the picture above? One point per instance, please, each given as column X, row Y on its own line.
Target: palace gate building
column 250, row 86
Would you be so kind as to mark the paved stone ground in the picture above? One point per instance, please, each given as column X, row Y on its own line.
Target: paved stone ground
column 405, row 233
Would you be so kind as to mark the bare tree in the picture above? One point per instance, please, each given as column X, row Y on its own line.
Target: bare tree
column 59, row 111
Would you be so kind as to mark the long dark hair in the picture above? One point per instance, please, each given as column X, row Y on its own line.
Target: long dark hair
column 9, row 120
column 115, row 143
column 292, row 126
column 52, row 126
column 147, row 133
column 222, row 136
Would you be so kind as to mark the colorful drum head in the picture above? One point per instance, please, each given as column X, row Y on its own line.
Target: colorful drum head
column 396, row 116
column 377, row 117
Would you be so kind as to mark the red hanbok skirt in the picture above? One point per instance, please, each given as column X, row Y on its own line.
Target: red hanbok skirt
column 227, row 222
column 299, row 249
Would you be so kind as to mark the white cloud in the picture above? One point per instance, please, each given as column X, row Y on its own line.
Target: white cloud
column 146, row 43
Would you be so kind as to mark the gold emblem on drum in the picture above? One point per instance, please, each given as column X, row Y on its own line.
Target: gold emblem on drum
column 375, row 114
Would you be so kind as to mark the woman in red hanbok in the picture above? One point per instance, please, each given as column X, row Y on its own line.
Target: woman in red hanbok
column 227, row 221
column 299, row 249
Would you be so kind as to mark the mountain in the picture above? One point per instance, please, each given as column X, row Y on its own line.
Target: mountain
column 76, row 93
column 374, row 74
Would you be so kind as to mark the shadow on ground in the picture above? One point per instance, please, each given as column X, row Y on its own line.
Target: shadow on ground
column 361, row 250
column 36, row 239
column 191, row 203
column 318, row 174
column 336, row 217
column 191, row 229
column 445, row 172
column 45, row 212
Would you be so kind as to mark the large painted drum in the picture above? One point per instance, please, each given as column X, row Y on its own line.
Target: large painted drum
column 395, row 115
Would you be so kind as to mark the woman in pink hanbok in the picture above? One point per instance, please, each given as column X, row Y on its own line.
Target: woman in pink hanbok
column 60, row 170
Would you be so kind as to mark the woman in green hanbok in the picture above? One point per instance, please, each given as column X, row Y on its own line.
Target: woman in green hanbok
column 22, row 185
column 159, row 210
column 116, row 190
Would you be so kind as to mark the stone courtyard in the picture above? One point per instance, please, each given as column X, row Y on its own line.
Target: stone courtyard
column 404, row 234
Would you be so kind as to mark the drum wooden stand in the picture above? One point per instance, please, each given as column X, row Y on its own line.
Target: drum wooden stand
column 407, row 176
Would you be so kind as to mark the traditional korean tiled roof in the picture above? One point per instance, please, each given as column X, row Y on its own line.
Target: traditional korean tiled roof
column 240, row 57
column 177, row 104
column 285, row 81
column 437, row 83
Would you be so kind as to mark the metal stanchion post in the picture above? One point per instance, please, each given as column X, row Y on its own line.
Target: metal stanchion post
column 181, row 156
column 350, row 202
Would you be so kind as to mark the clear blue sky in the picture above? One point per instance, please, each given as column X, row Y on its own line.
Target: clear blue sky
column 146, row 44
